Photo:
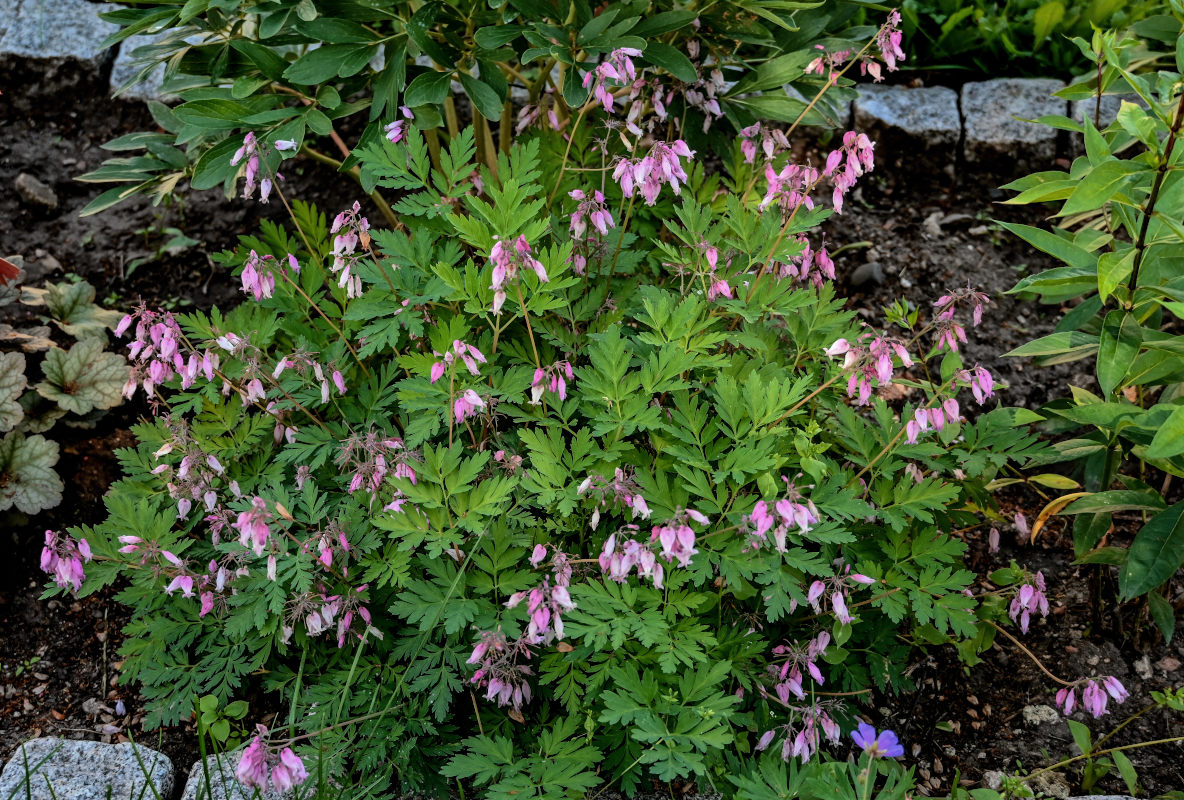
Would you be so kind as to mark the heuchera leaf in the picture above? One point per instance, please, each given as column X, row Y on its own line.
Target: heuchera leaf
column 72, row 306
column 12, row 383
column 27, row 479
column 83, row 379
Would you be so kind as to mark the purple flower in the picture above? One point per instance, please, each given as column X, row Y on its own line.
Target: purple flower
column 883, row 745
column 290, row 772
column 252, row 766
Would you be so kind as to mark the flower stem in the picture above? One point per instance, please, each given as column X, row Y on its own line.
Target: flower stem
column 1029, row 654
column 529, row 331
column 325, row 316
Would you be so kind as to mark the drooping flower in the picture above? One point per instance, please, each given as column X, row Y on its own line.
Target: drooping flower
column 62, row 558
column 349, row 229
column 467, row 354
column 500, row 669
column 252, row 526
column 620, row 555
column 553, row 378
column 616, row 70
column 677, row 537
column 251, row 172
column 252, row 764
column 868, row 365
column 883, row 745
column 507, row 262
column 466, row 405
column 287, row 771
column 1029, row 599
column 621, row 490
column 397, row 129
column 794, row 511
column 660, row 166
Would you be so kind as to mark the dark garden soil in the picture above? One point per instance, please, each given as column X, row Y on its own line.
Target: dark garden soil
column 59, row 664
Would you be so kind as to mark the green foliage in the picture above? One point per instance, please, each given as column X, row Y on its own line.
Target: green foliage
column 1003, row 38
column 1118, row 235
column 82, row 381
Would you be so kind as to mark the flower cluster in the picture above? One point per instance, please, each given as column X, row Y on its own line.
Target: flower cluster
column 888, row 40
column 677, row 537
column 303, row 363
column 839, row 586
column 252, row 526
column 546, row 602
column 156, row 353
column 499, row 670
column 258, row 276
column 192, row 480
column 622, row 490
column 259, row 762
column 591, row 210
column 717, row 286
column 772, row 140
column 250, row 151
column 792, row 511
column 980, row 381
column 618, row 68
column 507, row 261
column 62, row 558
column 395, row 131
column 620, row 555
column 1094, row 695
column 349, row 229
column 467, row 354
column 868, row 364
column 805, row 731
column 466, row 405
column 827, row 63
column 660, row 166
column 530, row 114
column 845, row 165
column 369, row 457
column 1029, row 599
column 553, row 378
column 790, row 187
column 787, row 675
column 938, row 416
column 588, row 242
column 702, row 95
column 814, row 266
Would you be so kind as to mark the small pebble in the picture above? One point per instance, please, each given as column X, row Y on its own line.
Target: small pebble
column 35, row 194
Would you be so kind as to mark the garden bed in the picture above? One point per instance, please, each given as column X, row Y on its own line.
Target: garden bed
column 59, row 658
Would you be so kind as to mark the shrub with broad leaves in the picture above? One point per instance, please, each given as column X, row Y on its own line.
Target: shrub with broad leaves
column 1119, row 236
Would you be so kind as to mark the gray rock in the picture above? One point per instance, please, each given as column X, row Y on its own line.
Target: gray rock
column 1052, row 784
column 1040, row 715
column 54, row 30
column 928, row 115
column 871, row 272
column 216, row 781
column 993, row 779
column 80, row 770
column 127, row 66
column 993, row 111
column 34, row 193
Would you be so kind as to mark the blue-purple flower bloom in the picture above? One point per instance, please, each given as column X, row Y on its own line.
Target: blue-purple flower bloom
column 885, row 744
